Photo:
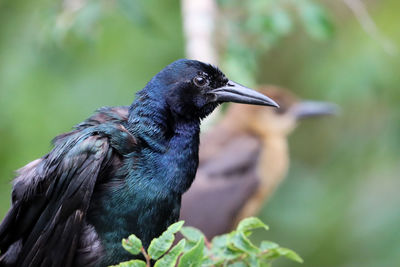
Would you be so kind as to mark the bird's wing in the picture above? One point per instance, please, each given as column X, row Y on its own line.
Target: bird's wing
column 234, row 157
column 51, row 195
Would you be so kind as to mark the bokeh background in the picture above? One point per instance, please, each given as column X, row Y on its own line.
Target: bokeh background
column 339, row 206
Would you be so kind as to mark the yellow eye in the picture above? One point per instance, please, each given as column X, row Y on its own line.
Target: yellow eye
column 200, row 81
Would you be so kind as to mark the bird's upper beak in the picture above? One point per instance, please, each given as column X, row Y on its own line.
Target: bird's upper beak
column 306, row 109
column 234, row 92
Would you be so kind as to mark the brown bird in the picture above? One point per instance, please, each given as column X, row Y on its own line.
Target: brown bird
column 243, row 160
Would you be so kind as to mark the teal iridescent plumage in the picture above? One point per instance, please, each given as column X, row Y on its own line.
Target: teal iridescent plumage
column 122, row 171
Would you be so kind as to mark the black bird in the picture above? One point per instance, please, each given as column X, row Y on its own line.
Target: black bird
column 122, row 171
column 243, row 159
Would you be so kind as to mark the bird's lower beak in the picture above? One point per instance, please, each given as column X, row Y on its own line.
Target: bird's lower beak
column 306, row 109
column 234, row 92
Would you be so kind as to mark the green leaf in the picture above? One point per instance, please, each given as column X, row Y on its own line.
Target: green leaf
column 241, row 242
column 290, row 254
column 159, row 246
column 174, row 228
column 253, row 261
column 220, row 241
column 251, row 223
column 316, row 21
column 270, row 255
column 189, row 245
column 131, row 263
column 229, row 254
column 268, row 245
column 169, row 259
column 221, row 250
column 132, row 244
column 162, row 244
column 192, row 234
column 208, row 262
column 193, row 257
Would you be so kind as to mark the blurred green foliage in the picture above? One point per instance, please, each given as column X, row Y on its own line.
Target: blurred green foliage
column 248, row 29
column 339, row 205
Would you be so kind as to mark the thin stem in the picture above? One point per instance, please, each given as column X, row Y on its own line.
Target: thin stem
column 146, row 256
column 209, row 247
column 207, row 242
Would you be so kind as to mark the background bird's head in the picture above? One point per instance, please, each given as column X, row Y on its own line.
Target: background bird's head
column 282, row 121
column 192, row 89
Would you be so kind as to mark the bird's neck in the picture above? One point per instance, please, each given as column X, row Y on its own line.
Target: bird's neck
column 173, row 141
column 148, row 122
column 152, row 121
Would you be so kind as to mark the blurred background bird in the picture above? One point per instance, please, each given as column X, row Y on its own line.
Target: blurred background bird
column 243, row 159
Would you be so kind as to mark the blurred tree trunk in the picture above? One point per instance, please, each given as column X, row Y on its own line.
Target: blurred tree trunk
column 199, row 18
column 199, row 25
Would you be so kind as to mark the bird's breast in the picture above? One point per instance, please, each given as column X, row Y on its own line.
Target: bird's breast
column 147, row 197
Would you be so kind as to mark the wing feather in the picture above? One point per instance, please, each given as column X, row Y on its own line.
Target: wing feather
column 51, row 195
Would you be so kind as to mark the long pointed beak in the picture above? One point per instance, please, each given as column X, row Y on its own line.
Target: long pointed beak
column 234, row 92
column 307, row 109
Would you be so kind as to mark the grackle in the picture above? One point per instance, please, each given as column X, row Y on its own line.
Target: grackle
column 242, row 161
column 121, row 171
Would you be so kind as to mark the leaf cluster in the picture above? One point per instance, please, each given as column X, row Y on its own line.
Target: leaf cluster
column 234, row 249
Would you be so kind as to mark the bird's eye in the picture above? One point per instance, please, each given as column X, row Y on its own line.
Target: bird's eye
column 200, row 81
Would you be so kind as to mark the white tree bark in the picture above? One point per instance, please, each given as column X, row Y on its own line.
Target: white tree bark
column 198, row 25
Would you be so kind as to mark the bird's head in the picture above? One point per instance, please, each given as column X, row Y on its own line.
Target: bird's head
column 193, row 89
